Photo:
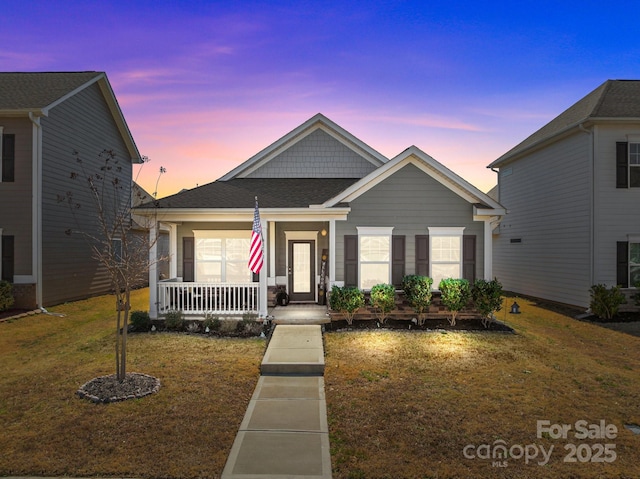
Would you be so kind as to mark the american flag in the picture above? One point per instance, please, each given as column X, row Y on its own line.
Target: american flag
column 256, row 256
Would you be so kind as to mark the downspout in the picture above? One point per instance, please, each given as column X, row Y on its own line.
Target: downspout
column 36, row 207
column 592, row 222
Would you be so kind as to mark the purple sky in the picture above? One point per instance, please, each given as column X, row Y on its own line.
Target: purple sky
column 205, row 85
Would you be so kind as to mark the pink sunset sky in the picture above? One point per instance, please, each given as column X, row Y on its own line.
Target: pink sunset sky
column 205, row 85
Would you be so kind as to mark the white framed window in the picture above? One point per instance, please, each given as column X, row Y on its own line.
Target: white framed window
column 116, row 246
column 374, row 256
column 445, row 253
column 634, row 164
column 634, row 262
column 222, row 256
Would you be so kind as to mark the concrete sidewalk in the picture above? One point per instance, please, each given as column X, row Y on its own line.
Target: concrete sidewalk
column 284, row 433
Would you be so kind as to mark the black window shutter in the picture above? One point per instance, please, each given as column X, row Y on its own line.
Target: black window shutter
column 7, row 258
column 422, row 255
column 469, row 258
column 398, row 248
column 622, row 263
column 622, row 165
column 8, row 157
column 188, row 272
column 351, row 260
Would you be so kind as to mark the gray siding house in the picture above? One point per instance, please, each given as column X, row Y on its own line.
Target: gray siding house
column 44, row 119
column 572, row 194
column 333, row 211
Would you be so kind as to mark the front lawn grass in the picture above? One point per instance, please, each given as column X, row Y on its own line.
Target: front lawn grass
column 400, row 404
column 405, row 404
column 185, row 430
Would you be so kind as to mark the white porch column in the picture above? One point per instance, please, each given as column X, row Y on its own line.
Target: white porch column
column 272, row 252
column 153, row 271
column 262, row 311
column 488, row 249
column 173, row 250
column 332, row 254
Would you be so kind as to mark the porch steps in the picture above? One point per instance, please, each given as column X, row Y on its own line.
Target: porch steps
column 294, row 350
column 284, row 433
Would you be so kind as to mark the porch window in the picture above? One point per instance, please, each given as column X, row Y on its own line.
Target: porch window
column 445, row 254
column 374, row 247
column 222, row 257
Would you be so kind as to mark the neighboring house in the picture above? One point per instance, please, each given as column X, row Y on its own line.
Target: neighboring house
column 572, row 194
column 44, row 119
column 333, row 212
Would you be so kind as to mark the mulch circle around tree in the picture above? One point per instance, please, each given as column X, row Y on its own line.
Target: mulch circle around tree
column 107, row 389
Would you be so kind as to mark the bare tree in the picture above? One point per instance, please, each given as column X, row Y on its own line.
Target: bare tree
column 122, row 252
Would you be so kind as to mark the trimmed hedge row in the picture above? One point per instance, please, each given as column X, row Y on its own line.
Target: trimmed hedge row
column 455, row 294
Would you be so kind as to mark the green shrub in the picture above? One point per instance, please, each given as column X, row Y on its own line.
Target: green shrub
column 636, row 296
column 605, row 302
column 249, row 324
column 211, row 322
column 6, row 295
column 347, row 300
column 140, row 321
column 417, row 290
column 487, row 298
column 454, row 294
column 174, row 320
column 383, row 299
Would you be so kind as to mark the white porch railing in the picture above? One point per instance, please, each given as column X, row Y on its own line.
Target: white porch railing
column 212, row 298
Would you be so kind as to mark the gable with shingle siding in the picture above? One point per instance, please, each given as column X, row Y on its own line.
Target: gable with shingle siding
column 318, row 155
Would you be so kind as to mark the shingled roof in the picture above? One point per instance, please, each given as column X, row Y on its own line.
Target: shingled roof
column 35, row 91
column 271, row 193
column 613, row 100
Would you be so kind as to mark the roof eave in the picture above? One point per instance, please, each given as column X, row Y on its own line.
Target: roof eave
column 240, row 212
column 585, row 123
column 23, row 112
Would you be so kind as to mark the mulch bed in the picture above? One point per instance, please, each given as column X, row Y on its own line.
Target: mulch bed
column 408, row 325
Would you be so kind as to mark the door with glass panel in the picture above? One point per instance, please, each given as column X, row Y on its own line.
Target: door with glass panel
column 302, row 270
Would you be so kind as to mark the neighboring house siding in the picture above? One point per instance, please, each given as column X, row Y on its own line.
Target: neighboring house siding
column 618, row 209
column 547, row 195
column 15, row 196
column 318, row 155
column 410, row 201
column 82, row 123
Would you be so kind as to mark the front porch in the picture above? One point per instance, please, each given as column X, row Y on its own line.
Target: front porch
column 207, row 264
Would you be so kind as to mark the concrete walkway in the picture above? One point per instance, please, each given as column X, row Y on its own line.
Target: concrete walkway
column 284, row 433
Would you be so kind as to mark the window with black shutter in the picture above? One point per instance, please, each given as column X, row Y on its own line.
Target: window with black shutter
column 622, row 260
column 469, row 258
column 627, row 165
column 7, row 258
column 422, row 255
column 8, row 157
column 188, row 253
column 398, row 253
column 351, row 260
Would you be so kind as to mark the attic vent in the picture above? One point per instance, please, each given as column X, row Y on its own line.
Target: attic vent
column 516, row 240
